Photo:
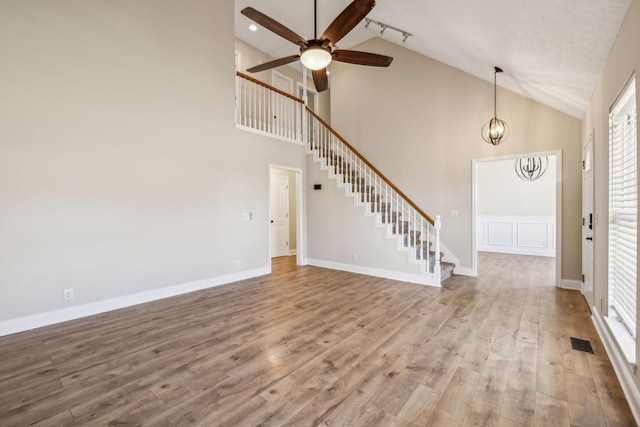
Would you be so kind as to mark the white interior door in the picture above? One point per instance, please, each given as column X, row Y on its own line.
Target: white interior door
column 587, row 222
column 279, row 215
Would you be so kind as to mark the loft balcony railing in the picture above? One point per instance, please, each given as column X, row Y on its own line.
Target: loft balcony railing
column 264, row 109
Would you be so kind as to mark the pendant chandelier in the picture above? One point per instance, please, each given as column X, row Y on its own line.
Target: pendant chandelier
column 495, row 130
column 531, row 168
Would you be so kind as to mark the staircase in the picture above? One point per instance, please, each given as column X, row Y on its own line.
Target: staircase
column 415, row 232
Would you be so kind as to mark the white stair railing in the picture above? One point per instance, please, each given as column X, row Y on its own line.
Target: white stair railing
column 414, row 228
column 265, row 109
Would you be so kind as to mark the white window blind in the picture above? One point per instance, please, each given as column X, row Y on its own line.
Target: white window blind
column 623, row 207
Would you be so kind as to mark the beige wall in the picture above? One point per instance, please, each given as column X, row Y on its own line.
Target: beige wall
column 624, row 59
column 121, row 170
column 419, row 122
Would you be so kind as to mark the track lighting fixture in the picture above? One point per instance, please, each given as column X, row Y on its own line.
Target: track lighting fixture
column 384, row 27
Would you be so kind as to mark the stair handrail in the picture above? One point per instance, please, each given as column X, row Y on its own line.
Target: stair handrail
column 373, row 168
column 268, row 86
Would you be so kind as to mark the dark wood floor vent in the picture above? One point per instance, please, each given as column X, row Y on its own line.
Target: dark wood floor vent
column 581, row 345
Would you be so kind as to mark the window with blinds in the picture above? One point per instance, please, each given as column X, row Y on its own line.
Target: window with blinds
column 623, row 207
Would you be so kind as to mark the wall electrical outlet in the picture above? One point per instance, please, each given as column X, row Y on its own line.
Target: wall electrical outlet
column 237, row 265
column 355, row 258
column 67, row 294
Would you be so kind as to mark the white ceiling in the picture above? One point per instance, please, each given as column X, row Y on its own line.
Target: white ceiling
column 551, row 51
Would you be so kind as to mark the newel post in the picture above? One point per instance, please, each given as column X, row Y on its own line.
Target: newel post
column 437, row 225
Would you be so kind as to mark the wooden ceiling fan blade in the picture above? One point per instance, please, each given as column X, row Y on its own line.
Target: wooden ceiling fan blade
column 273, row 25
column 347, row 20
column 273, row 64
column 362, row 58
column 320, row 79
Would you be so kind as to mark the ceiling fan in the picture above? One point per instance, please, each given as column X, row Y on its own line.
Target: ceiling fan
column 317, row 53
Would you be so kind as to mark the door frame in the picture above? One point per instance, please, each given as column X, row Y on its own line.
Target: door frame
column 301, row 249
column 237, row 67
column 301, row 111
column 315, row 98
column 588, row 267
column 474, row 210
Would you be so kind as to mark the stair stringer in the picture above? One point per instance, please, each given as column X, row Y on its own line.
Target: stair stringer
column 423, row 275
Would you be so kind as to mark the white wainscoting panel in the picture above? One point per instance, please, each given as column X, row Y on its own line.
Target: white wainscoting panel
column 500, row 233
column 526, row 235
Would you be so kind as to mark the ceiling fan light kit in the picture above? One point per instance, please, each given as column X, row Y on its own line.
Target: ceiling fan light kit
column 495, row 130
column 315, row 58
column 317, row 53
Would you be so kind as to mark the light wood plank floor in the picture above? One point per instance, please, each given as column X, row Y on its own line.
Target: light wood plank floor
column 309, row 346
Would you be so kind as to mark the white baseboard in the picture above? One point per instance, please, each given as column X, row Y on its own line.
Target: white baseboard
column 575, row 285
column 464, row 271
column 619, row 364
column 39, row 320
column 293, row 252
column 376, row 272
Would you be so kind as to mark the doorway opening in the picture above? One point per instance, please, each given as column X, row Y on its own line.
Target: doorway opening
column 285, row 212
column 514, row 215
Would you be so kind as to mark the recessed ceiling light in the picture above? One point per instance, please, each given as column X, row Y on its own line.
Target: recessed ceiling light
column 253, row 27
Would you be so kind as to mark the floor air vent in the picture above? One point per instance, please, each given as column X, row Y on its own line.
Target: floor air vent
column 582, row 345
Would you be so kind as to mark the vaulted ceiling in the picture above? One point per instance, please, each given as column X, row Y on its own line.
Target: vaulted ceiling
column 552, row 51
